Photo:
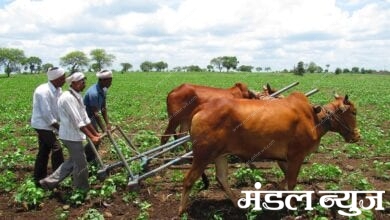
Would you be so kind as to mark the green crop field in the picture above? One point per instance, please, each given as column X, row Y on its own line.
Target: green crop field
column 137, row 103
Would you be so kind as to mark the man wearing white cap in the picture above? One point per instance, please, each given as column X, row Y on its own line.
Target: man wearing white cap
column 75, row 126
column 95, row 103
column 45, row 121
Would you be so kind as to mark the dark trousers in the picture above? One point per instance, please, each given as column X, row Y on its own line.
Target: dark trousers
column 48, row 142
column 90, row 155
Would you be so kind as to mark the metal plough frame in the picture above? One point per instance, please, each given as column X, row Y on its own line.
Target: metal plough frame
column 145, row 157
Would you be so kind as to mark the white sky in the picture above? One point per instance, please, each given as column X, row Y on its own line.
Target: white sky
column 261, row 33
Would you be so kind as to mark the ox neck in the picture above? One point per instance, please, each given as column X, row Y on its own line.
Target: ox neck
column 325, row 120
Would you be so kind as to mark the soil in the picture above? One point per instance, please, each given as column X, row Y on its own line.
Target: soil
column 164, row 194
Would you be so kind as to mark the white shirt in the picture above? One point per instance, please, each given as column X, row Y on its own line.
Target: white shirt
column 45, row 108
column 72, row 116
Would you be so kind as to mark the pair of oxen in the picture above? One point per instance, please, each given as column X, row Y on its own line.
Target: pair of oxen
column 252, row 126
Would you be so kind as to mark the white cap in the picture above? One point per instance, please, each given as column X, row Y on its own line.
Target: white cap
column 55, row 73
column 75, row 77
column 104, row 74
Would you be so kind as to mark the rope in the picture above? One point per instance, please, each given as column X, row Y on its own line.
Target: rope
column 161, row 135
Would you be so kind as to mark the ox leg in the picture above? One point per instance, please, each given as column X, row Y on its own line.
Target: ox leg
column 221, row 168
column 184, row 127
column 292, row 173
column 171, row 130
column 193, row 174
column 284, row 167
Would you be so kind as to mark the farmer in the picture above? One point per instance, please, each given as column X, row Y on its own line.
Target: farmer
column 95, row 103
column 45, row 122
column 75, row 126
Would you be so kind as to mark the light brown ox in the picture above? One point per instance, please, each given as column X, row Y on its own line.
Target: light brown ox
column 286, row 130
column 182, row 100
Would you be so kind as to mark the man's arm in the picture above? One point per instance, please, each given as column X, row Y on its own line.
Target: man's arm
column 105, row 117
column 97, row 118
column 91, row 133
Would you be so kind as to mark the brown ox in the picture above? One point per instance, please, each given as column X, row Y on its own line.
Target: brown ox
column 182, row 100
column 286, row 130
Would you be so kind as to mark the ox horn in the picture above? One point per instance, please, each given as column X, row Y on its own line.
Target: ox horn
column 336, row 95
column 269, row 88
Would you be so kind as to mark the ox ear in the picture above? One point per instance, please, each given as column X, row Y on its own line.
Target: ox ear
column 346, row 100
column 317, row 109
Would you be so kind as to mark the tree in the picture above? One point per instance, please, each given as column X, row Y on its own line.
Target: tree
column 327, row 68
column 126, row 67
column 346, row 70
column 11, row 59
column 46, row 66
column 146, row 66
column 193, row 68
column 245, row 68
column 217, row 63
column 338, row 71
column 160, row 66
column 210, row 68
column 319, row 69
column 101, row 58
column 177, row 69
column 259, row 69
column 300, row 69
column 34, row 64
column 312, row 67
column 75, row 60
column 267, row 69
column 355, row 69
column 229, row 62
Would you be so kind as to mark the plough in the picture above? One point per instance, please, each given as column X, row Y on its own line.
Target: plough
column 147, row 156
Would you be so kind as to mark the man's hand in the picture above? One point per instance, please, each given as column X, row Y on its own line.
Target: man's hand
column 96, row 140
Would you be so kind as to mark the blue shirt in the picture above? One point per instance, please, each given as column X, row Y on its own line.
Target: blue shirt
column 94, row 97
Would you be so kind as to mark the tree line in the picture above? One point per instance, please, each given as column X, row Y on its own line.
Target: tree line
column 14, row 60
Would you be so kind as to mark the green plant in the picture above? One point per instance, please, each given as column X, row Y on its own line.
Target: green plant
column 184, row 216
column 355, row 151
column 217, row 215
column 358, row 181
column 92, row 214
column 28, row 195
column 7, row 181
column 120, row 179
column 144, row 206
column 332, row 186
column 177, row 176
column 129, row 196
column 382, row 169
column 318, row 213
column 108, row 189
column 246, row 176
column 146, row 140
column 252, row 214
column 77, row 197
column 62, row 214
column 324, row 172
column 17, row 157
column 197, row 187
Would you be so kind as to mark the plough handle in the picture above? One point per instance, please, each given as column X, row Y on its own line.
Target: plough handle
column 284, row 89
column 311, row 92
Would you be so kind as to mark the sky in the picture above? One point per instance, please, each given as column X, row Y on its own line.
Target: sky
column 261, row 33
